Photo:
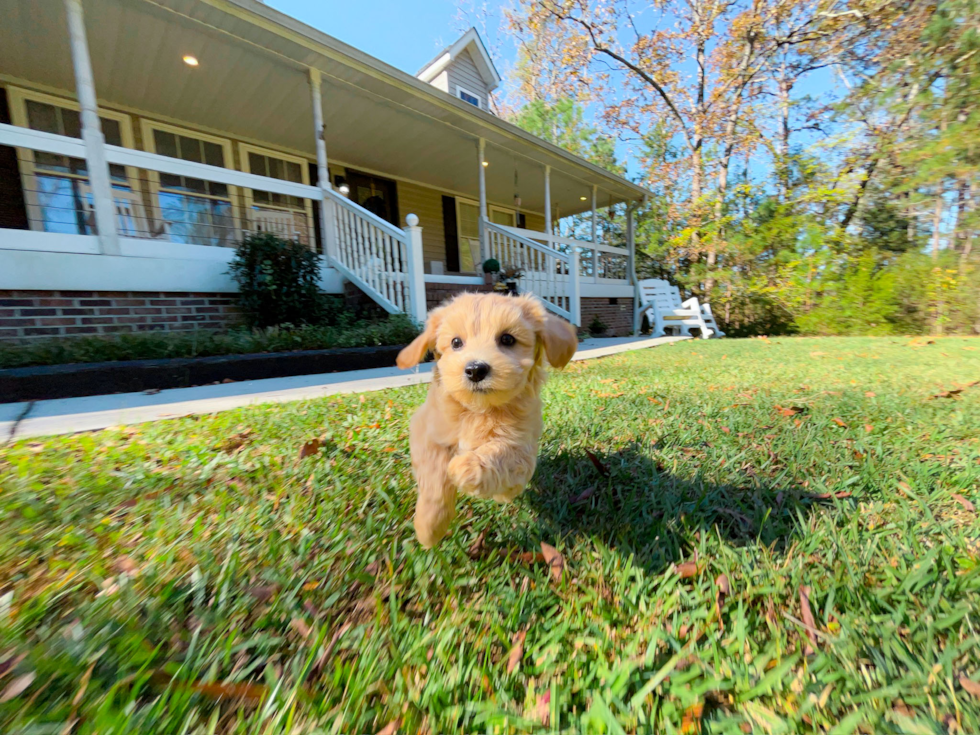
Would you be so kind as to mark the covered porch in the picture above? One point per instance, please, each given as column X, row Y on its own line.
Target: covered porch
column 138, row 170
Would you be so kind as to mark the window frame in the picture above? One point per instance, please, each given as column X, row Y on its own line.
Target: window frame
column 304, row 171
column 461, row 90
column 147, row 127
column 18, row 97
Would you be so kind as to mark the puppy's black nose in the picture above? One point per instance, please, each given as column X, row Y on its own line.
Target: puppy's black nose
column 477, row 371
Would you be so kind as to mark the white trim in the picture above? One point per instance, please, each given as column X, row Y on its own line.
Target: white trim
column 484, row 64
column 459, row 280
column 247, row 192
column 460, row 90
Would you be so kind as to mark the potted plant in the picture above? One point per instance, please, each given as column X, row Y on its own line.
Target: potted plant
column 491, row 266
column 509, row 276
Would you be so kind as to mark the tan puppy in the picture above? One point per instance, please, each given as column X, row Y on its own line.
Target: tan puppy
column 479, row 428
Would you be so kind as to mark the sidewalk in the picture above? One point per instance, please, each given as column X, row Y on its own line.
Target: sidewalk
column 90, row 413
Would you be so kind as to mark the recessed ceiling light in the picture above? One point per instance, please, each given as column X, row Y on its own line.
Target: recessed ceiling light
column 190, row 60
column 486, row 163
column 582, row 198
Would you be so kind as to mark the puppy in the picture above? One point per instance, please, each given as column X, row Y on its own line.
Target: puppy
column 478, row 431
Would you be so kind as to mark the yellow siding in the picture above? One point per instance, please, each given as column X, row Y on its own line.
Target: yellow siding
column 427, row 204
column 534, row 222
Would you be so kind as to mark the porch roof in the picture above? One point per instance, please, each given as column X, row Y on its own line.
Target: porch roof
column 252, row 83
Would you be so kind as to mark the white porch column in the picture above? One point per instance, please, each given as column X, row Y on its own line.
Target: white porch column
column 631, row 247
column 595, row 252
column 574, row 289
column 95, row 160
column 481, row 161
column 547, row 200
column 416, row 270
column 322, row 172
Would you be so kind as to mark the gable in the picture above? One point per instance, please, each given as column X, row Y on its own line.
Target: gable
column 462, row 74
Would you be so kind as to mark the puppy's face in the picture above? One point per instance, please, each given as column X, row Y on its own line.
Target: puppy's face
column 488, row 344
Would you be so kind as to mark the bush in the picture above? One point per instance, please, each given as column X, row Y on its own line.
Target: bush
column 278, row 281
column 597, row 326
column 394, row 330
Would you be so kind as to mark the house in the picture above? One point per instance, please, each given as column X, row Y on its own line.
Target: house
column 140, row 139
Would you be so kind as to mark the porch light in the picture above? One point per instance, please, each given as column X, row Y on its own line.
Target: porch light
column 486, row 163
column 583, row 198
column 190, row 60
column 341, row 183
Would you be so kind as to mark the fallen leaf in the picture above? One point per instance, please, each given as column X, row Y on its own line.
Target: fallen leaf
column 964, row 502
column 828, row 496
column 554, row 560
column 391, row 728
column 790, row 410
column 726, row 429
column 126, row 564
column 603, row 470
column 869, row 394
column 542, row 709
column 325, row 653
column 234, row 442
column 968, row 686
column 83, row 685
column 263, row 592
column 807, row 614
column 687, row 569
column 869, row 428
column 583, row 496
column 517, row 652
column 692, row 717
column 300, row 626
column 840, row 422
column 948, row 393
column 309, row 448
column 724, row 589
column 478, row 546
column 16, row 687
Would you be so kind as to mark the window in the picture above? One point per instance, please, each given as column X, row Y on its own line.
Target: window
column 193, row 211
column 468, row 222
column 287, row 216
column 467, row 96
column 56, row 187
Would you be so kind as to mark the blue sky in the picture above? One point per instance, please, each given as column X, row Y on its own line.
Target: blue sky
column 401, row 33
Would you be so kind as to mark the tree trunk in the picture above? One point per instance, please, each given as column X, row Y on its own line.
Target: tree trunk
column 937, row 217
column 959, row 235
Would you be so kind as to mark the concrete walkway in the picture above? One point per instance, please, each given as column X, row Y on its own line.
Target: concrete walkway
column 89, row 413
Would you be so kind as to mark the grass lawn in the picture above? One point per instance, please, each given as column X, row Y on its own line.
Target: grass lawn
column 197, row 576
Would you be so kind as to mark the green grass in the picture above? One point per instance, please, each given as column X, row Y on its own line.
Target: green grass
column 146, row 569
column 393, row 330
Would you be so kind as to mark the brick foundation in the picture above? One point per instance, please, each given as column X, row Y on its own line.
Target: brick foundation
column 615, row 313
column 436, row 293
column 30, row 315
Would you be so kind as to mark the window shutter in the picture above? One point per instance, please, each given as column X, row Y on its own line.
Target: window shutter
column 452, row 236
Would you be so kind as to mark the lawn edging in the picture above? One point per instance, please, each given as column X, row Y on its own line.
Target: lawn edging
column 132, row 376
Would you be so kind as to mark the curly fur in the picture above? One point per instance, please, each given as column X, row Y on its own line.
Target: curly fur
column 480, row 439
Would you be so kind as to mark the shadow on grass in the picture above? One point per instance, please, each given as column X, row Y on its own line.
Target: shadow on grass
column 642, row 509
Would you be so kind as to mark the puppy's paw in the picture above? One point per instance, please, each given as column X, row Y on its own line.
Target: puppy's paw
column 466, row 472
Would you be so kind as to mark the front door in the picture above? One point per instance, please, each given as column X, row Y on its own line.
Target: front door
column 378, row 196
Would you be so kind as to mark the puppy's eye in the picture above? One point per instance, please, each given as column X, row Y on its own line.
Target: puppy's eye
column 457, row 343
column 507, row 340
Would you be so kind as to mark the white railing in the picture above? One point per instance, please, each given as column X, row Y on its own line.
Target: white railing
column 550, row 275
column 381, row 259
column 598, row 263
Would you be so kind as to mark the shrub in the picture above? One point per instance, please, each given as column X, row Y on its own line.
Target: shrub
column 278, row 281
column 597, row 326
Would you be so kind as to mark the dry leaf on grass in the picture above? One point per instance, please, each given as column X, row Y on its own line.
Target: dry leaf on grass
column 300, row 626
column 234, row 442
column 970, row 686
column 478, row 546
column 723, row 591
column 869, row 394
column 248, row 694
column 687, row 569
column 790, row 410
column 542, row 709
column 263, row 592
column 948, row 393
column 554, row 560
column 807, row 615
column 583, row 496
column 964, row 502
column 391, row 728
column 603, row 470
column 692, row 718
column 16, row 687
column 828, row 496
column 309, row 448
column 840, row 422
column 517, row 652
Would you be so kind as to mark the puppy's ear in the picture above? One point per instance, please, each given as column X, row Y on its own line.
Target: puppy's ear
column 558, row 336
column 413, row 354
column 560, row 341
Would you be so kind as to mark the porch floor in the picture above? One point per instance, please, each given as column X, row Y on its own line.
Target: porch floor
column 92, row 413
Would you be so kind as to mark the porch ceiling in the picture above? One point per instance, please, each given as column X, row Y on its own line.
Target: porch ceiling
column 252, row 83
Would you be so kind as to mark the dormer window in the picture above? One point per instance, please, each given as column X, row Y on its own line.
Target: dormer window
column 467, row 96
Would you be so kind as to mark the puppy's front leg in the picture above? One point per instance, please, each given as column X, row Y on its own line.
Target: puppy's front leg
column 497, row 469
column 435, row 508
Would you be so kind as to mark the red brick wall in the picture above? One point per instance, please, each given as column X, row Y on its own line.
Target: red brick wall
column 28, row 315
column 615, row 313
column 436, row 293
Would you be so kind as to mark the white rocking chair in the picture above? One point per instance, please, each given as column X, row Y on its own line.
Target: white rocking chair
column 662, row 303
